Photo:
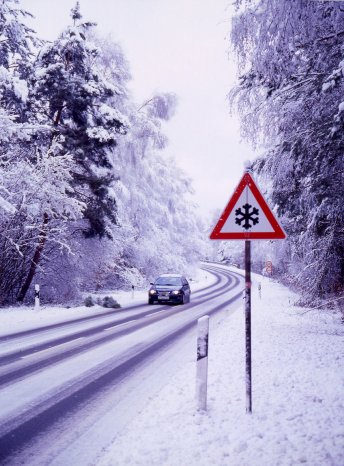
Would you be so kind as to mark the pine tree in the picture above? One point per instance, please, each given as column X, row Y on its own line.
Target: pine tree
column 67, row 94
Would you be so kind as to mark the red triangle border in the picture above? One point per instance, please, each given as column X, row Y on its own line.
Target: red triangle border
column 278, row 232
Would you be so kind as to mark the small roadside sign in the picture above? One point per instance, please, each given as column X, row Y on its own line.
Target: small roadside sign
column 247, row 215
column 268, row 267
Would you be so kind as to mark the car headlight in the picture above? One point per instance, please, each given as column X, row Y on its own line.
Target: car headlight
column 152, row 291
column 175, row 291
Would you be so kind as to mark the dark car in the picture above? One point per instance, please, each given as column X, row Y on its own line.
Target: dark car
column 169, row 288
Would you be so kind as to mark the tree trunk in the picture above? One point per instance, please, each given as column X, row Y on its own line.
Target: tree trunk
column 42, row 236
column 36, row 258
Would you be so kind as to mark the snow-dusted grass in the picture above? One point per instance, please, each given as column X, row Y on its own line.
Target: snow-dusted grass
column 297, row 396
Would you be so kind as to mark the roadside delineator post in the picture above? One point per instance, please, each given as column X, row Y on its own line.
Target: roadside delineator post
column 202, row 362
column 37, row 296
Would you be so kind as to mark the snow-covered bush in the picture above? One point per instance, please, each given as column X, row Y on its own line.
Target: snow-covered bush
column 109, row 302
column 88, row 301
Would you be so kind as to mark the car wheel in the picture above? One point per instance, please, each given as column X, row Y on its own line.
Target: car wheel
column 150, row 301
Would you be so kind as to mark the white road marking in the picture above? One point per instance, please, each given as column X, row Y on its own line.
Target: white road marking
column 119, row 325
column 155, row 313
column 51, row 347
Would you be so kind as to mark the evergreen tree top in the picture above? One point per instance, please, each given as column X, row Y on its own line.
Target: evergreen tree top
column 76, row 16
column 75, row 12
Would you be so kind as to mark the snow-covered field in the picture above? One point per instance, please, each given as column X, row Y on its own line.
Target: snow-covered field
column 298, row 410
column 297, row 396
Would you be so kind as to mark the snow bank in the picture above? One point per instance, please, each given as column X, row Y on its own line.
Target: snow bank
column 20, row 318
column 297, row 396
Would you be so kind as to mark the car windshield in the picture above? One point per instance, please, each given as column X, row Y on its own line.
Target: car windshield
column 168, row 281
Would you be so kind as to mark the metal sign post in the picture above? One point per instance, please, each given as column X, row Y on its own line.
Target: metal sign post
column 247, row 217
column 248, row 360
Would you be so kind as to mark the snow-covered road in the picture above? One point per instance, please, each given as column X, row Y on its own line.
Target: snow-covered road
column 61, row 383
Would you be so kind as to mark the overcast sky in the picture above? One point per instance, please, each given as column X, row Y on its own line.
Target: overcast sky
column 178, row 46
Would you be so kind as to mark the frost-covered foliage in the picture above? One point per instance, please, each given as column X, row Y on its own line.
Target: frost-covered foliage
column 18, row 229
column 17, row 42
column 163, row 233
column 290, row 97
column 87, row 199
column 67, row 156
column 68, row 92
column 157, row 228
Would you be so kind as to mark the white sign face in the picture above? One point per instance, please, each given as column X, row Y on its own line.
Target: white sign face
column 247, row 216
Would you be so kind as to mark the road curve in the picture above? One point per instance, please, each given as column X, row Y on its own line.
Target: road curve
column 42, row 356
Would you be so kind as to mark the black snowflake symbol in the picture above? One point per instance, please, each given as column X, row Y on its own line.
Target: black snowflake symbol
column 247, row 216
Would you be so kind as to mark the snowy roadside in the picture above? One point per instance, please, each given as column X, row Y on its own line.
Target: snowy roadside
column 19, row 318
column 298, row 410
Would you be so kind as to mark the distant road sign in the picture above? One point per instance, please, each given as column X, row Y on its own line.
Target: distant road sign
column 268, row 267
column 247, row 215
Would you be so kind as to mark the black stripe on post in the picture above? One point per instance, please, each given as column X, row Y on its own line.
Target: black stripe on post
column 202, row 347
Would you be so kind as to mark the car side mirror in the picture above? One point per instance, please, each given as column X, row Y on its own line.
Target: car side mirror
column 151, row 283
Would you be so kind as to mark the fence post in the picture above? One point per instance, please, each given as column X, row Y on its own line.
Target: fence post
column 202, row 362
column 37, row 296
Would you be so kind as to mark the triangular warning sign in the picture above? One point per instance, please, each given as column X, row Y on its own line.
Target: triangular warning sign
column 247, row 215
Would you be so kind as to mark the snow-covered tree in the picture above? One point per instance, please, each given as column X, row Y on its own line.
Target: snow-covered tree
column 87, row 198
column 157, row 230
column 290, row 98
column 17, row 43
column 25, row 231
column 58, row 132
column 164, row 231
column 153, row 195
column 67, row 93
